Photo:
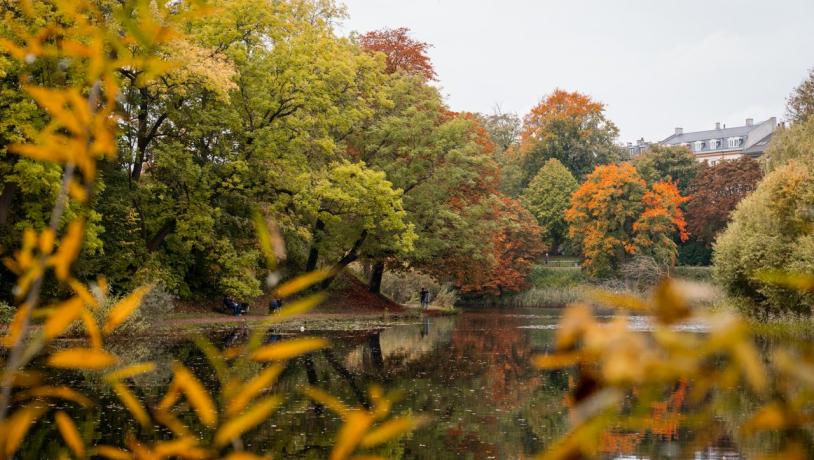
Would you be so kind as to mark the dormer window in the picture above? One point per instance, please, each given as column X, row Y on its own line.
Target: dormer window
column 699, row 145
column 714, row 144
column 734, row 142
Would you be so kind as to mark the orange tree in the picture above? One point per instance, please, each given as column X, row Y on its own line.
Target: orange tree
column 570, row 127
column 615, row 215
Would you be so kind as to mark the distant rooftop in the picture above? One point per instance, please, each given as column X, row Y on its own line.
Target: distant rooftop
column 680, row 137
column 750, row 139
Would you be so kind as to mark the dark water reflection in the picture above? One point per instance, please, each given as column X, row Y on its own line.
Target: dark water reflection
column 470, row 372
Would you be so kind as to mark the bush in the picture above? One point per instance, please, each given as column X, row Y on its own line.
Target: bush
column 158, row 303
column 6, row 312
column 546, row 297
column 770, row 231
column 543, row 276
column 642, row 272
column 693, row 273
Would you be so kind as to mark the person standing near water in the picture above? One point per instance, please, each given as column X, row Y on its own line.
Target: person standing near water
column 425, row 298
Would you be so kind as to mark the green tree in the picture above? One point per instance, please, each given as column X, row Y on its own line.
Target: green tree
column 800, row 104
column 793, row 143
column 356, row 212
column 672, row 163
column 547, row 197
column 770, row 231
column 504, row 129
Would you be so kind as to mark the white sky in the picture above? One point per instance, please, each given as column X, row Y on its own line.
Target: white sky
column 656, row 64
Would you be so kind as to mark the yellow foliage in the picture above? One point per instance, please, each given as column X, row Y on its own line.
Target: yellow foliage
column 288, row 349
column 392, row 429
column 132, row 404
column 238, row 425
column 70, row 434
column 111, row 452
column 122, row 310
column 16, row 426
column 82, row 358
column 302, row 282
column 60, row 392
column 262, row 381
column 62, row 317
column 196, row 394
column 68, row 250
column 129, row 371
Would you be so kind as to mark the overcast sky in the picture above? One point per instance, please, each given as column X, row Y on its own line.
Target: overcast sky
column 656, row 64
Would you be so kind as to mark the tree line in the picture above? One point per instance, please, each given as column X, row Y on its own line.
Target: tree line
column 347, row 147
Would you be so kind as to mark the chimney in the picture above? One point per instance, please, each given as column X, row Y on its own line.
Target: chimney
column 717, row 125
column 679, row 131
column 750, row 121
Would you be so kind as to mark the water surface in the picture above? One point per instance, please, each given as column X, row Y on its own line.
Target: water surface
column 470, row 372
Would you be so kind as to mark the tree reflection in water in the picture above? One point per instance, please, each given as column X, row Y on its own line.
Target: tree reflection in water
column 471, row 373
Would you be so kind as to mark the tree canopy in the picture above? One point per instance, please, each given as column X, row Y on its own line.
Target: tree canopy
column 800, row 103
column 547, row 197
column 770, row 233
column 715, row 192
column 668, row 163
column 571, row 127
column 615, row 215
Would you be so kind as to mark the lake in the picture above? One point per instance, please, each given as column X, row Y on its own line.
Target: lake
column 470, row 372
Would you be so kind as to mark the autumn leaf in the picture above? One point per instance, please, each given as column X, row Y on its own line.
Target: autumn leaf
column 112, row 453
column 61, row 392
column 253, row 387
column 302, row 282
column 350, row 435
column 392, row 429
column 68, row 249
column 70, row 434
column 327, row 400
column 556, row 361
column 63, row 316
column 122, row 310
column 196, row 394
column 288, row 349
column 17, row 425
column 132, row 404
column 130, row 371
column 256, row 414
column 82, row 358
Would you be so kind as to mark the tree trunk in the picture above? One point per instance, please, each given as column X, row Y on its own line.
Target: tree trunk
column 313, row 253
column 346, row 260
column 6, row 199
column 144, row 133
column 376, row 275
column 354, row 385
column 376, row 356
column 161, row 235
column 141, row 137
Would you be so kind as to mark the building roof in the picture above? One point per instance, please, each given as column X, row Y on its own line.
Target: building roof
column 683, row 138
column 759, row 147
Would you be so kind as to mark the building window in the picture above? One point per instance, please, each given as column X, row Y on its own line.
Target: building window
column 714, row 144
column 699, row 145
column 734, row 142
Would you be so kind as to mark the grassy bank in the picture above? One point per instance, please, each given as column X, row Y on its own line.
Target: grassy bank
column 554, row 285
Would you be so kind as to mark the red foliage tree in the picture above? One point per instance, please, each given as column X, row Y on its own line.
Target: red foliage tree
column 511, row 243
column 404, row 54
column 715, row 192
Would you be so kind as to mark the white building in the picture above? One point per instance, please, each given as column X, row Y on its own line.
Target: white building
column 724, row 143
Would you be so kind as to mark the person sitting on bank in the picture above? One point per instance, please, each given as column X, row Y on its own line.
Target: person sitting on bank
column 275, row 305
